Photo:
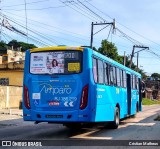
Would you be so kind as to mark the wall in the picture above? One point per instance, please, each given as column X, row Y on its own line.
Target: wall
column 10, row 97
column 15, row 76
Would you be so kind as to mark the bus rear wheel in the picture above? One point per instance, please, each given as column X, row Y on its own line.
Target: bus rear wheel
column 116, row 121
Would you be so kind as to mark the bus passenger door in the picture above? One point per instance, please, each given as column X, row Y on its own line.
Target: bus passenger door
column 140, row 94
column 129, row 93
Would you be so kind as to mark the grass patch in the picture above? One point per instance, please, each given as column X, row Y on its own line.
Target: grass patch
column 157, row 118
column 146, row 101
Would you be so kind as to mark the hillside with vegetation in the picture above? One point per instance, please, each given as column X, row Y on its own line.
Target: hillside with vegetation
column 16, row 45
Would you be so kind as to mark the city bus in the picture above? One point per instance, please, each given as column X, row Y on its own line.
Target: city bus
column 77, row 85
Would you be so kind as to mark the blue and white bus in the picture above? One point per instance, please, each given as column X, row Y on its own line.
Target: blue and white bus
column 76, row 85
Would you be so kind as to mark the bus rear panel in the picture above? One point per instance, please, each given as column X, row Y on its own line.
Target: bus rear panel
column 60, row 96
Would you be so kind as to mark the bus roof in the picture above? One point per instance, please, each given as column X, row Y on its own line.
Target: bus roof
column 81, row 49
column 56, row 48
column 107, row 59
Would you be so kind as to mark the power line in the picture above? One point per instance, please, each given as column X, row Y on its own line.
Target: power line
column 40, row 34
column 54, row 30
column 57, row 28
column 77, row 5
column 26, row 18
column 109, row 32
column 123, row 25
column 47, row 25
column 35, row 32
column 99, row 10
column 36, row 8
column 129, row 38
column 5, row 37
column 30, row 36
column 43, row 8
column 125, row 35
column 154, row 53
column 26, row 3
column 91, row 10
column 76, row 10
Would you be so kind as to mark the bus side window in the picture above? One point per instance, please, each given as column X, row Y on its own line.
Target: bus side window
column 111, row 75
column 100, row 72
column 121, row 77
column 137, row 86
column 95, row 70
column 118, row 77
column 106, row 73
column 114, row 76
column 124, row 79
column 133, row 82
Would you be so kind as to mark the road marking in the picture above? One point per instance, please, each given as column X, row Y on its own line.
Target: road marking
column 87, row 135
column 136, row 124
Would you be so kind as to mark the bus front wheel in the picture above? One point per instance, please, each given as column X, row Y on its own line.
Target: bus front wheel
column 116, row 121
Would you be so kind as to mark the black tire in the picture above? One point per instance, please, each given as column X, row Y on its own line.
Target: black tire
column 116, row 121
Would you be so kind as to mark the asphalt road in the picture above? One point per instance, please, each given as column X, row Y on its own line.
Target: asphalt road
column 141, row 127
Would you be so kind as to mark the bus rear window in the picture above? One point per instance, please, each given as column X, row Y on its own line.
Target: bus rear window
column 56, row 62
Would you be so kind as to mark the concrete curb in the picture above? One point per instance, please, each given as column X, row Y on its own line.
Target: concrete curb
column 11, row 112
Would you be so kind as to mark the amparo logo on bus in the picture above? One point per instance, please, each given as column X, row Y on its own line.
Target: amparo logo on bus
column 48, row 89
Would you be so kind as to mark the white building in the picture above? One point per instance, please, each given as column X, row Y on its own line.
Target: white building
column 12, row 56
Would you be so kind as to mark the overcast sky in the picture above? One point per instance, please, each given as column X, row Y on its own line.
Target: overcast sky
column 69, row 23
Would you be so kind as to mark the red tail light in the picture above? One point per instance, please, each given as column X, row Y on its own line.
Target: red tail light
column 84, row 98
column 26, row 97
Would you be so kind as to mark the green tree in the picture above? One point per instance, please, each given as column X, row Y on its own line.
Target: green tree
column 108, row 49
column 155, row 75
column 3, row 46
column 24, row 46
column 14, row 43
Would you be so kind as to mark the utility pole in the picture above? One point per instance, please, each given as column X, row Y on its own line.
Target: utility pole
column 132, row 55
column 91, row 43
column 26, row 18
column 137, row 59
column 124, row 59
column 1, row 22
column 92, row 29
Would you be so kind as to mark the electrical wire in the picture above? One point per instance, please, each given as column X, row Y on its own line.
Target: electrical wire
column 36, row 32
column 91, row 10
column 129, row 38
column 26, row 3
column 123, row 25
column 84, row 10
column 77, row 10
column 51, row 26
column 75, row 34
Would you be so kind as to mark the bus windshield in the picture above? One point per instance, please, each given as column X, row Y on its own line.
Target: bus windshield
column 56, row 62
